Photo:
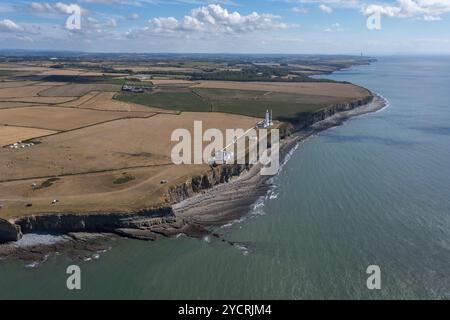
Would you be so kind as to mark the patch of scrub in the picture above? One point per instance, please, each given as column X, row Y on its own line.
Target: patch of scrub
column 47, row 183
column 124, row 179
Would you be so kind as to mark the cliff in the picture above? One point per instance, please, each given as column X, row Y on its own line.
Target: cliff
column 215, row 176
column 144, row 224
column 149, row 223
column 9, row 232
column 305, row 120
column 94, row 222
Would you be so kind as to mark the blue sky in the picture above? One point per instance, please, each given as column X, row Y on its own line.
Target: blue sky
column 230, row 26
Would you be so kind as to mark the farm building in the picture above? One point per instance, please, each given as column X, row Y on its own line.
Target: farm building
column 136, row 87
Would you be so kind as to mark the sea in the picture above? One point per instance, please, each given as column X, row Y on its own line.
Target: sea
column 372, row 192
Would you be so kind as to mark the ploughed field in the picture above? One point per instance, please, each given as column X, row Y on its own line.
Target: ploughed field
column 71, row 135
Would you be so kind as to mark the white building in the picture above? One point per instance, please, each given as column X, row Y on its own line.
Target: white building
column 223, row 156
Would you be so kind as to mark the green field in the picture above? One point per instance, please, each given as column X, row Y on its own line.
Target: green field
column 176, row 100
column 78, row 89
column 285, row 106
column 4, row 73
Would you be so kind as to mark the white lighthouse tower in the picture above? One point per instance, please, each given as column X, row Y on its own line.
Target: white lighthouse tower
column 267, row 122
column 268, row 119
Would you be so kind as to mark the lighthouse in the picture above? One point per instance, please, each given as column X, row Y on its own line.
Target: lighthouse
column 267, row 122
column 268, row 119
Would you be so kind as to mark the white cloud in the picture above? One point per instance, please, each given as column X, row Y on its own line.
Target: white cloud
column 53, row 8
column 94, row 26
column 325, row 8
column 215, row 19
column 429, row 10
column 299, row 10
column 41, row 7
column 431, row 18
column 7, row 25
column 330, row 3
column 133, row 16
column 111, row 23
column 90, row 25
column 62, row 8
column 102, row 1
column 335, row 27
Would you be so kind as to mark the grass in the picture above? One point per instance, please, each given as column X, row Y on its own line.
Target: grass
column 4, row 73
column 85, row 79
column 179, row 101
column 281, row 110
column 78, row 89
column 124, row 179
column 285, row 106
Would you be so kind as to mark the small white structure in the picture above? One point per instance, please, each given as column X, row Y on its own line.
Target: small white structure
column 136, row 87
column 126, row 87
column 223, row 156
column 19, row 144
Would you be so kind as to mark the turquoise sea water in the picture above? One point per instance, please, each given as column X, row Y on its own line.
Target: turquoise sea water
column 375, row 191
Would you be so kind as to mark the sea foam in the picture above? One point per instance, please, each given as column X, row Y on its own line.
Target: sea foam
column 30, row 239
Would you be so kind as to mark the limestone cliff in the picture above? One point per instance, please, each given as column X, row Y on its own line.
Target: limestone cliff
column 214, row 176
column 9, row 231
column 93, row 222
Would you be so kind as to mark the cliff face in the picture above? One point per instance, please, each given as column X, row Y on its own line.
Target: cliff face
column 9, row 231
column 308, row 119
column 94, row 222
column 215, row 176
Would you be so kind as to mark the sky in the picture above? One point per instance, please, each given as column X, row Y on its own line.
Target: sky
column 228, row 26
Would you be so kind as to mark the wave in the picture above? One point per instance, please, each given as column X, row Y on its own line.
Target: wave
column 387, row 103
column 32, row 265
column 242, row 248
column 31, row 239
column 180, row 235
column 233, row 222
column 35, row 264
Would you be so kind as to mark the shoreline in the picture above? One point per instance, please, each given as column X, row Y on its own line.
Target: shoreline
column 214, row 207
column 200, row 215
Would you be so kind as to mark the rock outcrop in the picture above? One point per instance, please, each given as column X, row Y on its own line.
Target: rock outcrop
column 9, row 232
column 93, row 222
column 215, row 176
column 305, row 120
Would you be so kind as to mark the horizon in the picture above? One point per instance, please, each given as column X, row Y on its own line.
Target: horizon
column 413, row 27
column 274, row 54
